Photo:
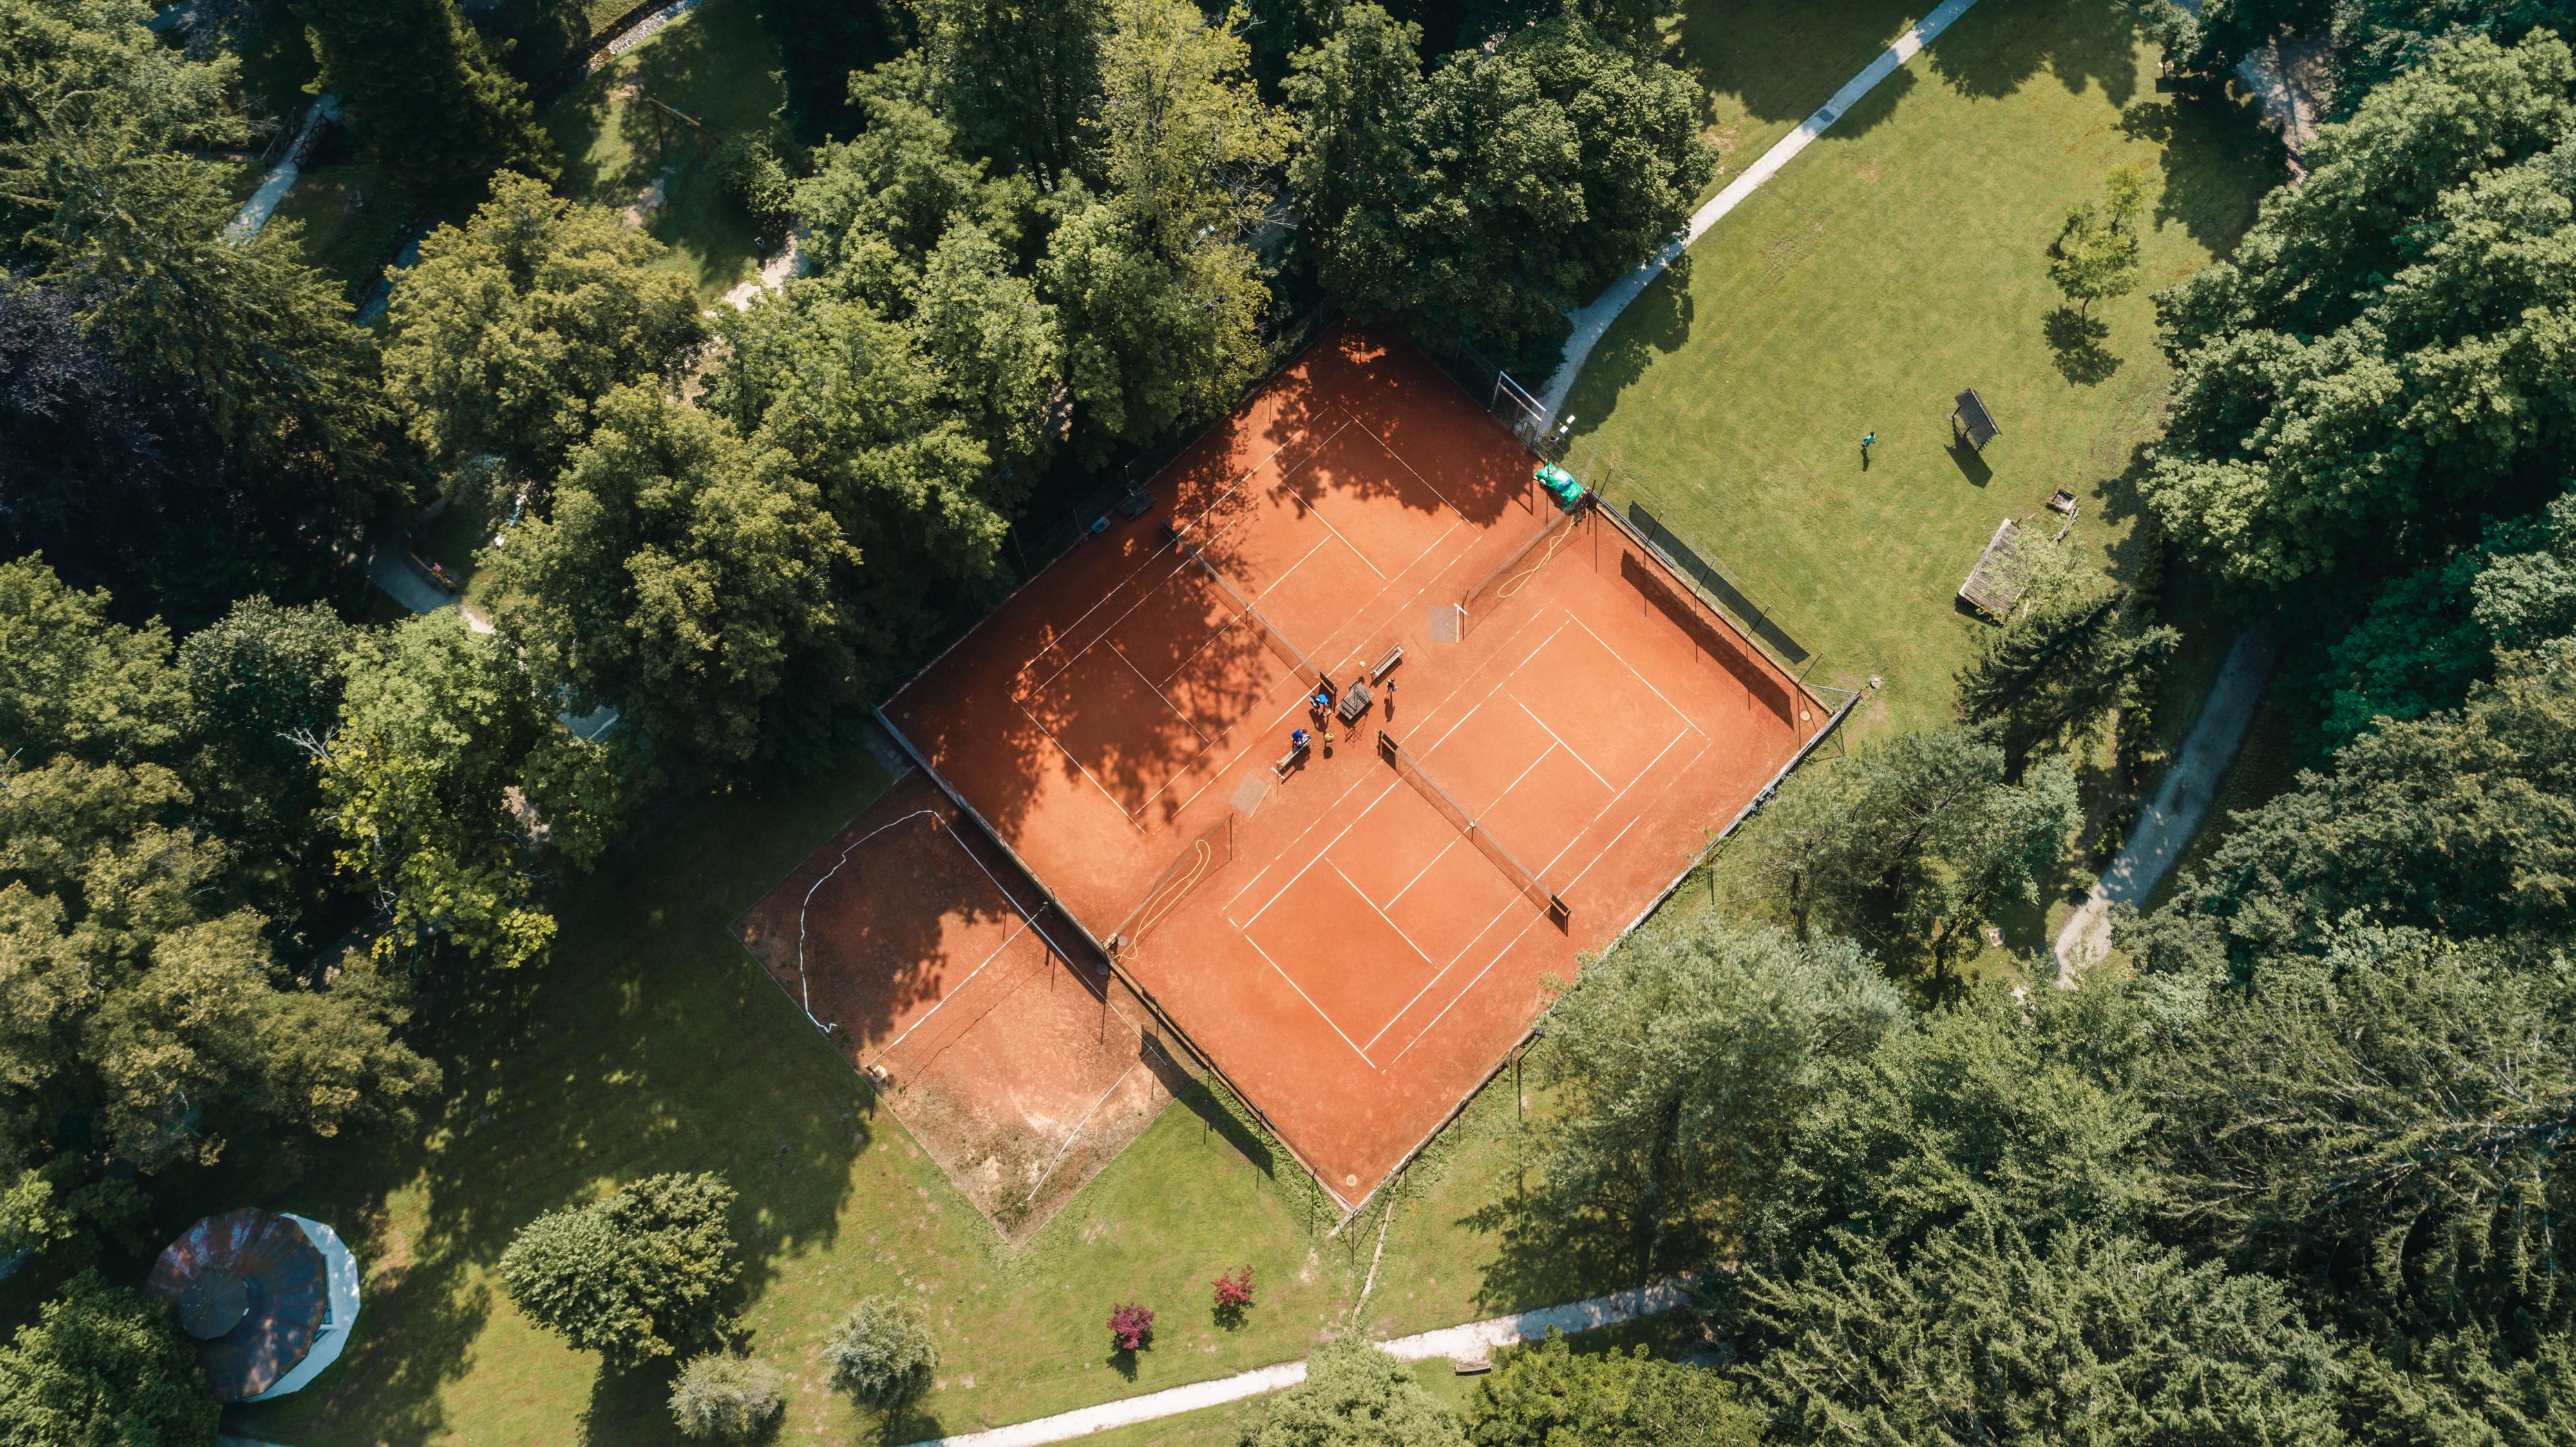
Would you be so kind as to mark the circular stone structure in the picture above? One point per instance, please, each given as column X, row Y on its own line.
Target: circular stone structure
column 268, row 1298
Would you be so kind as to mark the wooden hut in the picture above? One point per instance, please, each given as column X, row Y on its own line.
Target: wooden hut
column 1994, row 584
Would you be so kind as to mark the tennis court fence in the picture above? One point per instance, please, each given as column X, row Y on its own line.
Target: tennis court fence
column 1617, row 485
column 1410, row 769
column 1513, row 405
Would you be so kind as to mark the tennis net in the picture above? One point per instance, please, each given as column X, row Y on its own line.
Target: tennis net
column 1410, row 769
column 1287, row 652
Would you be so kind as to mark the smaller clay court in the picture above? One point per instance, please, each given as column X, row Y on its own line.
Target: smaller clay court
column 1001, row 1041
column 1520, row 727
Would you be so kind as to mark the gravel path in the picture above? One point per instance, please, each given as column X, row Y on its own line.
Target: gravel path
column 2168, row 821
column 1470, row 1344
column 1591, row 323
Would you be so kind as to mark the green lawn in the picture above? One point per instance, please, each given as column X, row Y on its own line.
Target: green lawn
column 653, row 1043
column 1901, row 258
column 1767, row 66
column 350, row 215
column 717, row 66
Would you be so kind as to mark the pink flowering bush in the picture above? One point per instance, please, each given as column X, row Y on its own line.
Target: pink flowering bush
column 1233, row 1294
column 1132, row 1326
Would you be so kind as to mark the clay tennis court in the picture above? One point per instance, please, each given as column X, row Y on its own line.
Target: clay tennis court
column 939, row 969
column 1357, row 939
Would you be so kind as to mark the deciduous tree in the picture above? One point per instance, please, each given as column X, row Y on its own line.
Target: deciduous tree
column 681, row 576
column 104, row 1364
column 511, row 328
column 1552, row 1396
column 1354, row 1395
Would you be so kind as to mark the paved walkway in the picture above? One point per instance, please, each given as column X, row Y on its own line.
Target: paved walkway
column 1471, row 1344
column 281, row 178
column 1591, row 323
column 2169, row 820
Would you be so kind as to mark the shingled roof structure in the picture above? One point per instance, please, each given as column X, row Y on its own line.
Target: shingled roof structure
column 268, row 1298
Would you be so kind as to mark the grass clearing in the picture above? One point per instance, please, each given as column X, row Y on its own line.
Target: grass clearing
column 350, row 215
column 1902, row 258
column 653, row 1043
column 717, row 66
column 1768, row 66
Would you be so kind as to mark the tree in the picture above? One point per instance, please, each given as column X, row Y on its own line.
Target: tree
column 1018, row 77
column 2381, row 1125
column 1911, row 845
column 726, row 1397
column 820, row 42
column 1354, row 1395
column 1186, row 142
column 634, row 1276
column 104, row 1364
column 147, row 1021
column 2381, row 362
column 452, row 791
column 2070, row 654
column 2462, row 824
column 1481, row 204
column 1683, row 1059
column 122, row 221
column 2093, row 258
column 681, row 577
column 508, row 332
column 1159, row 299
column 77, row 683
column 997, row 350
column 264, row 685
column 436, row 107
column 846, row 395
column 882, row 1353
column 876, row 204
column 1149, row 347
column 2091, row 1338
column 1551, row 1396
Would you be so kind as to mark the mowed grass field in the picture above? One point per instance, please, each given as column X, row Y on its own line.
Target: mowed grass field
column 653, row 1043
column 1898, row 260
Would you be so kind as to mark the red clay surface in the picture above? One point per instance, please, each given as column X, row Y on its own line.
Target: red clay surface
column 1019, row 1066
column 1352, row 963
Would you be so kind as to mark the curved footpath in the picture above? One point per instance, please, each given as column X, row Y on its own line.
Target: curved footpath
column 1470, row 1345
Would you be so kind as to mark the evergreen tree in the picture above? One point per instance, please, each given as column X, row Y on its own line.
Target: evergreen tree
column 1551, row 1396
column 2067, row 657
column 440, row 113
column 634, row 1276
column 1354, row 1395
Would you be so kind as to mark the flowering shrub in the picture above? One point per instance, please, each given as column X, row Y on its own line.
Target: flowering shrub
column 1133, row 1327
column 1233, row 1294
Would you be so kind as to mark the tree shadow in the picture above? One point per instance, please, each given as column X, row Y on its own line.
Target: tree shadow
column 1654, row 326
column 2001, row 45
column 1777, row 63
column 2077, row 341
column 2218, row 162
column 647, row 1044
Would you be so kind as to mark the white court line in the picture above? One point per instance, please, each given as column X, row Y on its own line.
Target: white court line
column 1382, row 914
column 1123, row 811
column 1317, row 514
column 1407, row 466
column 1632, row 668
column 1441, row 854
column 1310, row 1000
column 1679, row 734
column 1162, row 697
column 1562, row 744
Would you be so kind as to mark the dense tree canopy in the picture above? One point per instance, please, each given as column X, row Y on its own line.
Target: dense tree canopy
column 1354, row 1395
column 511, row 328
column 1552, row 1396
column 105, row 1364
column 2385, row 356
column 437, row 107
column 1482, row 202
column 681, row 577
